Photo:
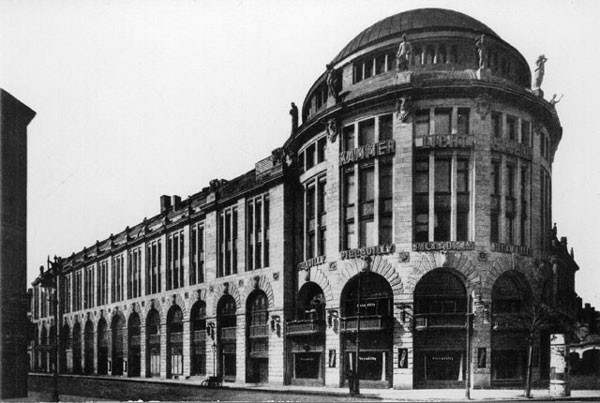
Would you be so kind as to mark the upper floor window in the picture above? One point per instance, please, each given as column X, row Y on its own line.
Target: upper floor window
column 315, row 225
column 197, row 254
column 442, row 120
column 175, row 261
column 103, row 282
column 117, row 278
column 88, row 292
column 511, row 126
column 497, row 124
column 313, row 154
column 525, row 132
column 495, row 202
column 374, row 64
column 153, row 266
column 510, row 203
column 462, row 121
column 77, row 290
column 436, row 217
column 422, row 123
column 134, row 263
column 367, row 187
column 66, row 292
column 257, row 232
column 227, row 242
column 524, row 206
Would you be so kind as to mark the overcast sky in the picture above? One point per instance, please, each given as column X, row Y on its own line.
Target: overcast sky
column 139, row 99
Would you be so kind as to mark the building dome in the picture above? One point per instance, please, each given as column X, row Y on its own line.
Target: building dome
column 422, row 19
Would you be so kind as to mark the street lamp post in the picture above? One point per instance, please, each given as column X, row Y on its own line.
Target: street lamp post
column 469, row 317
column 50, row 280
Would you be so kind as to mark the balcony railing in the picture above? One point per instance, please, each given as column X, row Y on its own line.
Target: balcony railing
column 228, row 333
column 176, row 338
column 154, row 339
column 367, row 323
column 135, row 340
column 305, row 327
column 440, row 321
column 258, row 331
column 199, row 336
column 509, row 321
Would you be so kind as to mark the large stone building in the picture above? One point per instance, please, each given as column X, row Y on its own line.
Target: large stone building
column 414, row 195
column 14, row 119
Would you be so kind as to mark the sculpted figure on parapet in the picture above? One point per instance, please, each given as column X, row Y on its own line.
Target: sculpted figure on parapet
column 482, row 52
column 333, row 82
column 294, row 115
column 553, row 101
column 403, row 54
column 540, row 70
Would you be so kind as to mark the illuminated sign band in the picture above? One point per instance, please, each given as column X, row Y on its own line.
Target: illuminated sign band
column 368, row 251
column 368, row 151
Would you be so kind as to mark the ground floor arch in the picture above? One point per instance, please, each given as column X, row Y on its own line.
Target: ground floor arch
column 134, row 354
column 103, row 346
column 366, row 330
column 226, row 338
column 88, row 347
column 257, row 331
column 153, row 343
column 76, row 342
column 175, row 342
column 198, row 338
column 119, row 348
column 440, row 317
column 306, row 337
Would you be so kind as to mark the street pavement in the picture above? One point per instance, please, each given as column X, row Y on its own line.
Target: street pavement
column 190, row 390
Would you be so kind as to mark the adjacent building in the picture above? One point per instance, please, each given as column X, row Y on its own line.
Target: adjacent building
column 14, row 325
column 403, row 231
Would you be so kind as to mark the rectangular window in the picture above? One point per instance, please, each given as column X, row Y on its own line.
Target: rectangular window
column 385, row 201
column 227, row 236
column 497, row 124
column 442, row 200
column 495, row 203
column 321, row 147
column 462, row 199
column 175, row 261
column 257, row 232
column 510, row 206
column 197, row 254
column 153, row 266
column 315, row 218
column 367, row 206
column 422, row 123
column 524, row 215
column 462, row 123
column 310, row 221
column 511, row 123
column 102, row 279
column 88, row 301
column 385, row 127
column 117, row 278
column 134, row 273
column 421, row 199
column 525, row 132
column 349, row 193
column 366, row 132
column 310, row 156
column 349, row 142
column 442, row 120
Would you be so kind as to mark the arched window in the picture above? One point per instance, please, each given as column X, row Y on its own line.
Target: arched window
column 374, row 298
column 440, row 292
column 103, row 340
column 65, row 342
column 76, row 343
column 198, row 350
column 226, row 330
column 153, row 342
column 175, row 337
column 89, row 347
column 508, row 294
column 311, row 302
column 118, row 344
column 134, row 346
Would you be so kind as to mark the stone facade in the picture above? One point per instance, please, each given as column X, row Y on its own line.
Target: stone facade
column 405, row 207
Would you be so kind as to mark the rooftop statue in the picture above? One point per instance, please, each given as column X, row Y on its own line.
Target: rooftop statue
column 294, row 114
column 403, row 54
column 333, row 82
column 554, row 100
column 539, row 71
column 482, row 52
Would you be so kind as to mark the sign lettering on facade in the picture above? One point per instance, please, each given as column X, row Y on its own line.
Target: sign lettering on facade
column 368, row 151
column 511, row 147
column 315, row 261
column 444, row 141
column 368, row 251
column 451, row 245
column 506, row 248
